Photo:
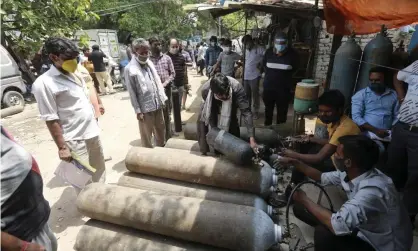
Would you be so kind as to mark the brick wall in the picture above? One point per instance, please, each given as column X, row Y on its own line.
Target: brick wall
column 323, row 51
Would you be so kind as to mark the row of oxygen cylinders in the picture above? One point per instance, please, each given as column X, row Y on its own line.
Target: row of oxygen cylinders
column 173, row 198
column 351, row 65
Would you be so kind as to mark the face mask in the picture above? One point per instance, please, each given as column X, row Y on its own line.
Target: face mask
column 70, row 65
column 227, row 49
column 340, row 165
column 212, row 43
column 142, row 59
column 328, row 119
column 174, row 50
column 280, row 47
column 377, row 87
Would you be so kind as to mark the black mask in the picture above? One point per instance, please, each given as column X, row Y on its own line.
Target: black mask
column 329, row 119
column 377, row 87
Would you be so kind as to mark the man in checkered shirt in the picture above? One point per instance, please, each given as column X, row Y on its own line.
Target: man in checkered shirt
column 165, row 70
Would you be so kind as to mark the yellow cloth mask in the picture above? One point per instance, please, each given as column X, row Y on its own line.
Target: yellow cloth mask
column 70, row 65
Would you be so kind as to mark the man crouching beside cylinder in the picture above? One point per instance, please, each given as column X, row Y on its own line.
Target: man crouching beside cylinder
column 222, row 97
column 373, row 217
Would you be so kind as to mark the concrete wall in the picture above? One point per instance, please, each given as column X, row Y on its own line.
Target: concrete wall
column 322, row 55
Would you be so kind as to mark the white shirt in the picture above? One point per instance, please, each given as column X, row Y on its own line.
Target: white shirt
column 373, row 208
column 408, row 113
column 252, row 59
column 201, row 53
column 61, row 97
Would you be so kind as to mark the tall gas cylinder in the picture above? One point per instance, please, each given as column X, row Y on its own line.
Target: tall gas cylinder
column 306, row 97
column 179, row 188
column 184, row 166
column 98, row 235
column 346, row 68
column 377, row 51
column 223, row 225
column 183, row 144
column 233, row 148
column 176, row 109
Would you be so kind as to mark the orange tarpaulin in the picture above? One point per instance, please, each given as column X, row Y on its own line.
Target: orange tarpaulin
column 344, row 17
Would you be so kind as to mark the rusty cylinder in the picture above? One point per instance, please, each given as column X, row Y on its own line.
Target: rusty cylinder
column 178, row 188
column 98, row 235
column 223, row 225
column 184, row 166
column 183, row 144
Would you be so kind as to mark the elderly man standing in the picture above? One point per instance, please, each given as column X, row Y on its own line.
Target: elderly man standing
column 147, row 94
column 165, row 70
column 63, row 102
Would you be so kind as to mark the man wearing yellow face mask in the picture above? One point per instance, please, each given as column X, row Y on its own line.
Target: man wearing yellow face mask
column 64, row 103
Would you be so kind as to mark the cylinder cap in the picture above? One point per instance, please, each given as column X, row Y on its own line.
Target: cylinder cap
column 278, row 234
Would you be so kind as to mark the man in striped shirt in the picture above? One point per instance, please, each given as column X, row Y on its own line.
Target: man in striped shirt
column 403, row 150
column 179, row 63
column 165, row 70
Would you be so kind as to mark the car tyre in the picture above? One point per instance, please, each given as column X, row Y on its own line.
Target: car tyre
column 13, row 98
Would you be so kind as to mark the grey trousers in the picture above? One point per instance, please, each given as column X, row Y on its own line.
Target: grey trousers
column 252, row 90
column 47, row 239
column 153, row 123
column 91, row 151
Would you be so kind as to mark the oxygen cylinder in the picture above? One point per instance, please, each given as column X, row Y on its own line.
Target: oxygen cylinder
column 98, row 235
column 176, row 109
column 178, row 188
column 190, row 131
column 345, row 69
column 377, row 51
column 183, row 144
column 215, row 223
column 233, row 148
column 184, row 166
column 262, row 135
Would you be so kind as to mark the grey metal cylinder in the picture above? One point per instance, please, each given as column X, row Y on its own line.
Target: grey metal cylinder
column 98, row 235
column 11, row 110
column 223, row 225
column 262, row 135
column 190, row 131
column 184, row 166
column 178, row 188
column 233, row 148
column 183, row 144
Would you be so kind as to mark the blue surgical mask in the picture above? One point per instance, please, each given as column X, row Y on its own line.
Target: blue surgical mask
column 280, row 47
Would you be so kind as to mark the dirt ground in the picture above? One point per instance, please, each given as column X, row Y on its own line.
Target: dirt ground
column 119, row 131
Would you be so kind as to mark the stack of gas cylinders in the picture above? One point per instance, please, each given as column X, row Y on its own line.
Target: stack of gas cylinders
column 174, row 198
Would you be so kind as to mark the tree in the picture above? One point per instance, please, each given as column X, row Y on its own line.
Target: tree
column 27, row 23
column 234, row 24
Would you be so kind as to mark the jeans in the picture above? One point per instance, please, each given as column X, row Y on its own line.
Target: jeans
column 252, row 91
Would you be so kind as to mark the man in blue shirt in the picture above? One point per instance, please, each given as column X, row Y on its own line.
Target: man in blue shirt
column 374, row 109
column 373, row 217
column 212, row 54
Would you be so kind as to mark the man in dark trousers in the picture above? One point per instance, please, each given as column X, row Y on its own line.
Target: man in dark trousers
column 279, row 63
column 223, row 96
column 179, row 63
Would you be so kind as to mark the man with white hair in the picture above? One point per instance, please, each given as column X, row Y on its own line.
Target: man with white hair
column 147, row 94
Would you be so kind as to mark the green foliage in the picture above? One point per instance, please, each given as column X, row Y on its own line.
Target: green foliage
column 27, row 23
column 234, row 24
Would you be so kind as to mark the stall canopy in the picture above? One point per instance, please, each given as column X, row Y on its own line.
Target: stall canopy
column 365, row 17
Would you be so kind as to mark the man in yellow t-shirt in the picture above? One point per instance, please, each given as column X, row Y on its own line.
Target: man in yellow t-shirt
column 331, row 113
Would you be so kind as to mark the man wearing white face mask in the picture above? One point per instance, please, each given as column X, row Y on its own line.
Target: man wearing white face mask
column 147, row 94
column 179, row 62
column 226, row 60
column 279, row 64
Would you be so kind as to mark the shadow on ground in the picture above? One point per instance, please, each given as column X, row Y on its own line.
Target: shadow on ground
column 64, row 212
